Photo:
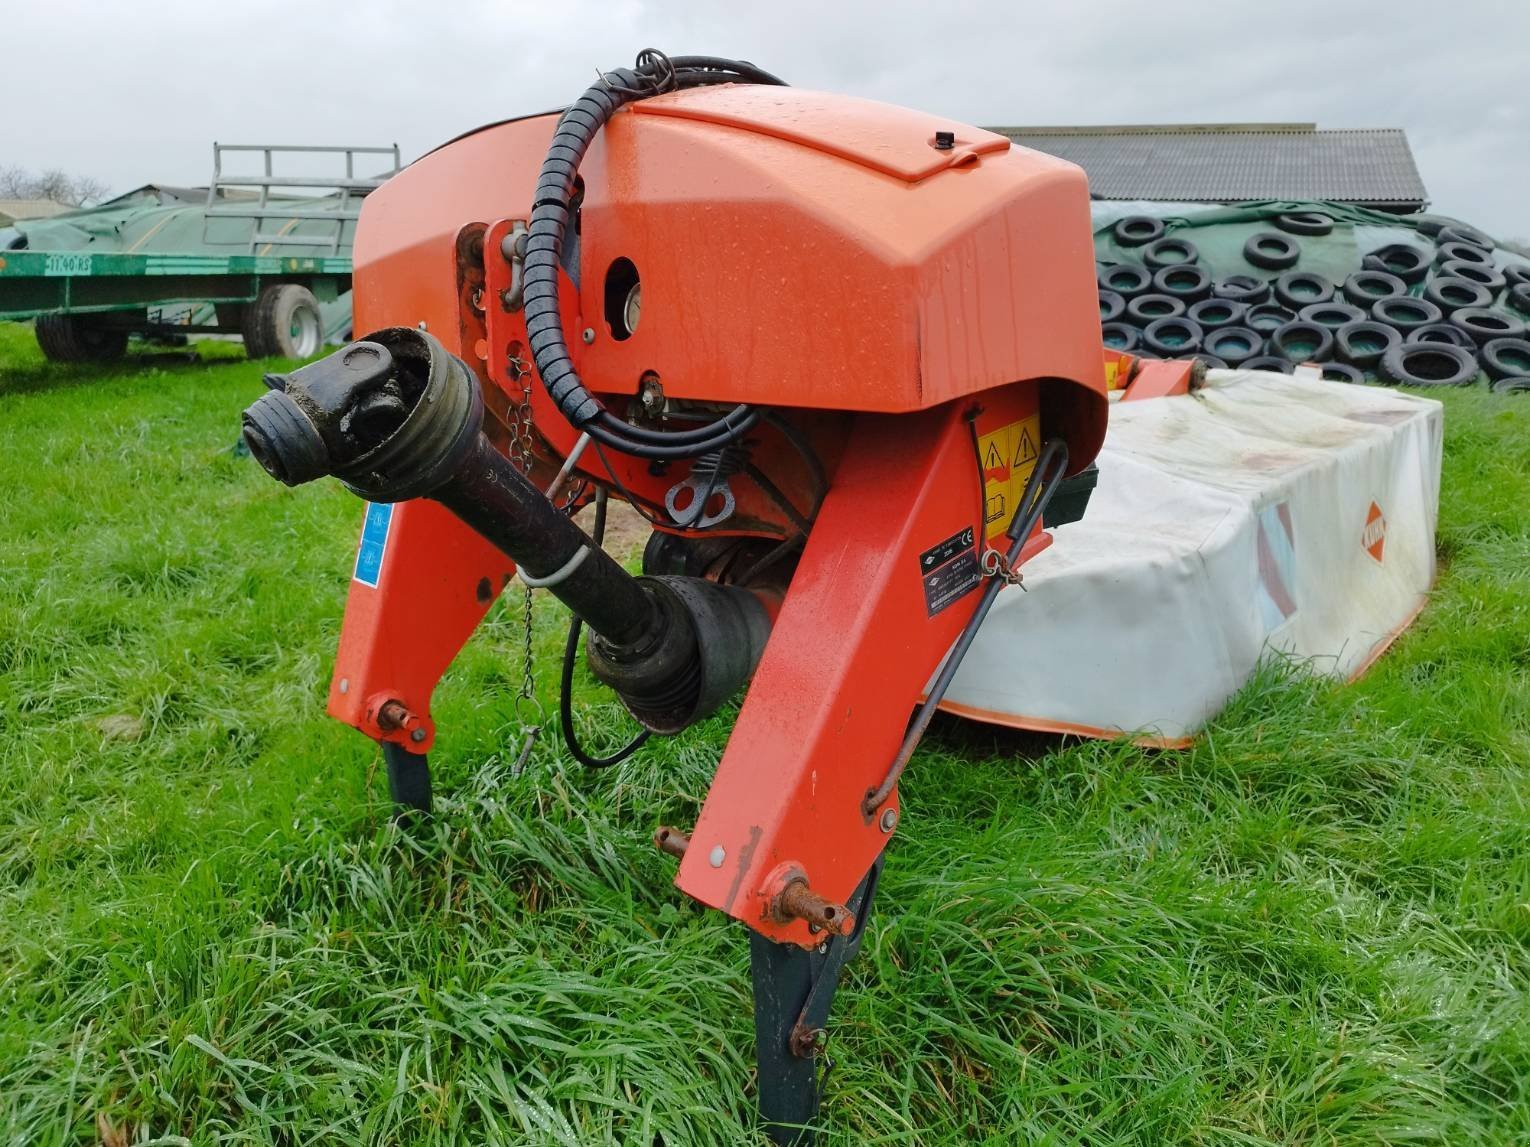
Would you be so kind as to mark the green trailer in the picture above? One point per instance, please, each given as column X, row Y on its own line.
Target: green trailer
column 262, row 254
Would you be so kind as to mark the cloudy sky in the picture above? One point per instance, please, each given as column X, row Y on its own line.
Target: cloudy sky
column 133, row 93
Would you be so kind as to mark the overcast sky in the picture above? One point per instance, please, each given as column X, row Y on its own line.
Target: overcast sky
column 135, row 93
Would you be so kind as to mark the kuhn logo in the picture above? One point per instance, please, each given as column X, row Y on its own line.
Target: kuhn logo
column 1373, row 539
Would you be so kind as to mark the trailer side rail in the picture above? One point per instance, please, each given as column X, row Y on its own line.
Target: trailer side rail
column 350, row 187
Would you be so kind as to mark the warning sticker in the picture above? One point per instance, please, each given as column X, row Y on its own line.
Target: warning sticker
column 374, row 543
column 950, row 570
column 1009, row 456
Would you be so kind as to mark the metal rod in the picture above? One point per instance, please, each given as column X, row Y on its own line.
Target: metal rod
column 799, row 902
column 671, row 840
column 1033, row 500
column 497, row 500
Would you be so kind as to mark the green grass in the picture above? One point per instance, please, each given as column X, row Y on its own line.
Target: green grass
column 1314, row 927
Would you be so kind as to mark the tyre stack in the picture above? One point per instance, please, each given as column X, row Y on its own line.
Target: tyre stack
column 1407, row 317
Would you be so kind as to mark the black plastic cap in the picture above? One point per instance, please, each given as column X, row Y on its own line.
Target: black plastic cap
column 283, row 440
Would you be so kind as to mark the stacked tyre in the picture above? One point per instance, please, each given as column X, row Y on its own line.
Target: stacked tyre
column 1438, row 311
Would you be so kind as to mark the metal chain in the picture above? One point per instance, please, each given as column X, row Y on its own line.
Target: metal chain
column 519, row 452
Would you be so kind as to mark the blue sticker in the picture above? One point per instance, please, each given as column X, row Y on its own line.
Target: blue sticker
column 374, row 541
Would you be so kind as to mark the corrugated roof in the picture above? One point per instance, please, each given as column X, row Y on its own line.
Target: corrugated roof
column 1226, row 163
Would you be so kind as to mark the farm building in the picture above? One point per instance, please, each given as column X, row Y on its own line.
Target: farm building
column 13, row 209
column 1230, row 162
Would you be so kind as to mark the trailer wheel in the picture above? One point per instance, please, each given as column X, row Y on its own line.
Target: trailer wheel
column 74, row 338
column 283, row 322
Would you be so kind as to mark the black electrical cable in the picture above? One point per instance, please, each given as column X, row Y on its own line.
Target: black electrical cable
column 1046, row 476
column 809, row 457
column 621, row 487
column 654, row 74
column 566, row 682
column 773, row 492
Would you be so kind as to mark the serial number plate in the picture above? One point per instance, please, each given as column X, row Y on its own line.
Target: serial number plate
column 949, row 571
column 68, row 263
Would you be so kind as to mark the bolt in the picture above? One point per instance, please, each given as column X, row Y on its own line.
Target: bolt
column 417, row 735
column 716, row 857
column 799, row 902
column 823, row 949
column 889, row 819
column 589, row 335
column 395, row 715
column 651, row 394
column 422, row 324
column 476, row 299
column 671, row 840
column 345, row 684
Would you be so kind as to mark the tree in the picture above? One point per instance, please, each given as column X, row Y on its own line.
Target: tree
column 54, row 185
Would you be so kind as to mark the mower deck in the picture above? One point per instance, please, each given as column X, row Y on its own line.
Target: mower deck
column 1262, row 513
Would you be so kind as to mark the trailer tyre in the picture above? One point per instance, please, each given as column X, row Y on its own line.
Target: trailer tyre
column 1126, row 279
column 1462, row 253
column 1185, row 281
column 1173, row 338
column 1441, row 333
column 74, row 338
column 1486, row 325
column 1170, row 253
column 1138, row 230
column 1512, row 386
column 1120, row 336
column 1363, row 342
column 1298, row 289
column 1302, row 341
column 1267, row 318
column 1244, row 289
column 1486, row 276
column 1233, row 345
column 1506, row 358
column 1461, row 233
column 1146, row 309
column 1214, row 313
column 1332, row 315
column 1365, row 288
column 283, row 322
column 1272, row 251
column 1429, row 364
column 1269, row 362
column 1343, row 372
column 1405, row 261
column 1304, row 223
column 1405, row 313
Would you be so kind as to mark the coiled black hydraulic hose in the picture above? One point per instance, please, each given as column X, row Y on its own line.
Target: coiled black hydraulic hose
column 654, row 74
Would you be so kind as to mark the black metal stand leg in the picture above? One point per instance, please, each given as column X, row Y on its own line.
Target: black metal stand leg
column 408, row 778
column 793, row 990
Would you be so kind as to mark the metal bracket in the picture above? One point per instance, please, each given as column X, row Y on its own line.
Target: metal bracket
column 793, row 991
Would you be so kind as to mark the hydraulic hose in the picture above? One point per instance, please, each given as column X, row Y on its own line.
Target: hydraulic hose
column 653, row 74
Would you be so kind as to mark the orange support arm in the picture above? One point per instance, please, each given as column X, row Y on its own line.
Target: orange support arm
column 888, row 579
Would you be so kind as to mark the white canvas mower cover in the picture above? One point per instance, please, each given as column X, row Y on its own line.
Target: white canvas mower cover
column 1262, row 512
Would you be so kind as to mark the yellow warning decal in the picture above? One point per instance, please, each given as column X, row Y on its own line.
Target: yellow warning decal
column 1008, row 455
column 1112, row 372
